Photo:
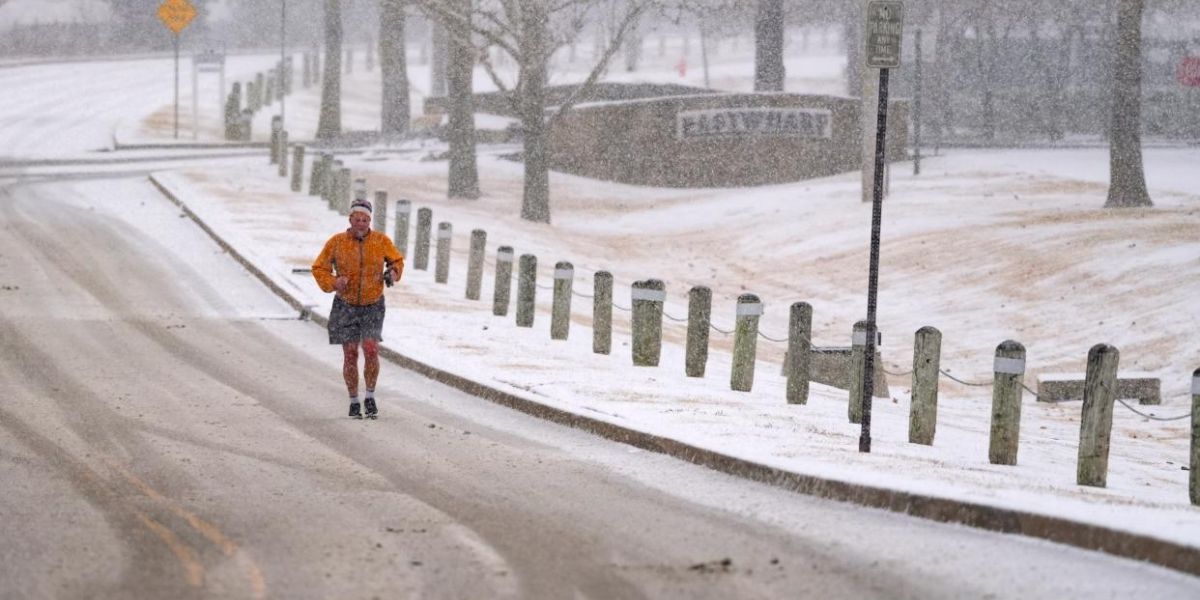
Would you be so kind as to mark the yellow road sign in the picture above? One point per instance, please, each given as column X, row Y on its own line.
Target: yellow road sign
column 176, row 14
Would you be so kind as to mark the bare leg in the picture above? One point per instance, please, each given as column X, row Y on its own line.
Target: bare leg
column 350, row 367
column 370, row 362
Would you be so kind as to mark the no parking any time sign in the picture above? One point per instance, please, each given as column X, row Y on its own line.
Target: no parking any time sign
column 885, row 23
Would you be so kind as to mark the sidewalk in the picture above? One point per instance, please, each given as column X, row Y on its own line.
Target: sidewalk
column 1144, row 512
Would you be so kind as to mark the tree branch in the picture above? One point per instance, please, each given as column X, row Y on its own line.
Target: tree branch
column 636, row 9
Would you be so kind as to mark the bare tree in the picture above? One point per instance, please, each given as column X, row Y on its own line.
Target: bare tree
column 329, row 125
column 1127, row 179
column 393, row 68
column 768, row 47
column 530, row 31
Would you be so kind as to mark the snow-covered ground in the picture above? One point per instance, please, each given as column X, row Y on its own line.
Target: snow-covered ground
column 979, row 268
column 984, row 245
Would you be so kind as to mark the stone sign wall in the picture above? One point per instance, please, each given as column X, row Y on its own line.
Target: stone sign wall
column 718, row 140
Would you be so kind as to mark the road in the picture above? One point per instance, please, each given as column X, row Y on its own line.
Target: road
column 170, row 429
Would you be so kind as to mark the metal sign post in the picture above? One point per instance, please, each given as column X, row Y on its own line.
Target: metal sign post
column 176, row 14
column 884, row 23
column 176, row 86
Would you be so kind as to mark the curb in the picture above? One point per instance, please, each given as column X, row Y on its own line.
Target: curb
column 1055, row 529
column 118, row 146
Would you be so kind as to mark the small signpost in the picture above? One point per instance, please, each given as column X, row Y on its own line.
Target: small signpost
column 209, row 61
column 1189, row 71
column 885, row 22
column 176, row 15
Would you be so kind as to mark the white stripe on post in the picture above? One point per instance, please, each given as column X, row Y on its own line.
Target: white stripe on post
column 1009, row 366
column 859, row 338
column 650, row 295
column 504, row 256
column 564, row 273
column 754, row 309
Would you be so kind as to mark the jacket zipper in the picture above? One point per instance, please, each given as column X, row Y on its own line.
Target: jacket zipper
column 362, row 268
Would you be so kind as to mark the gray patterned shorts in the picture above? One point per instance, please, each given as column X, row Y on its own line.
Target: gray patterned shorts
column 349, row 323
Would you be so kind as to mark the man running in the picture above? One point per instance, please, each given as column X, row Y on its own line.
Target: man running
column 352, row 264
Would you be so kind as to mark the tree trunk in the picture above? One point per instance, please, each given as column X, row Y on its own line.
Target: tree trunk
column 852, row 38
column 535, row 203
column 633, row 48
column 768, row 47
column 437, row 66
column 464, row 178
column 985, row 31
column 393, row 68
column 1127, row 181
column 329, row 125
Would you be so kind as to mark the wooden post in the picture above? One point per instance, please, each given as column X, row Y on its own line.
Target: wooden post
column 283, row 153
column 648, row 297
column 796, row 361
column 1095, row 428
column 329, row 183
column 421, row 251
column 298, row 169
column 699, row 320
column 379, row 211
column 246, row 125
column 276, row 128
column 403, row 210
column 360, row 189
column 927, row 359
column 442, row 272
column 602, row 293
column 1194, row 472
column 475, row 263
column 257, row 96
column 1009, row 367
column 858, row 363
column 526, row 289
column 560, row 314
column 503, row 282
column 745, row 342
column 315, row 173
column 320, row 170
column 343, row 192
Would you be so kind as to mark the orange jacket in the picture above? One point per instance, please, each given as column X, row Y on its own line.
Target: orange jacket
column 360, row 260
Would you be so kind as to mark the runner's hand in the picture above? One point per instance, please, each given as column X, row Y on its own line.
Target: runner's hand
column 340, row 283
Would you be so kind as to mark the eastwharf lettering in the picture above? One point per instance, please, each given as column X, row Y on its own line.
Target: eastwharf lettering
column 752, row 122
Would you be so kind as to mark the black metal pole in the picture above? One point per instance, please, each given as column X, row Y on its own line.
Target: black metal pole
column 176, row 86
column 864, row 439
column 917, row 107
